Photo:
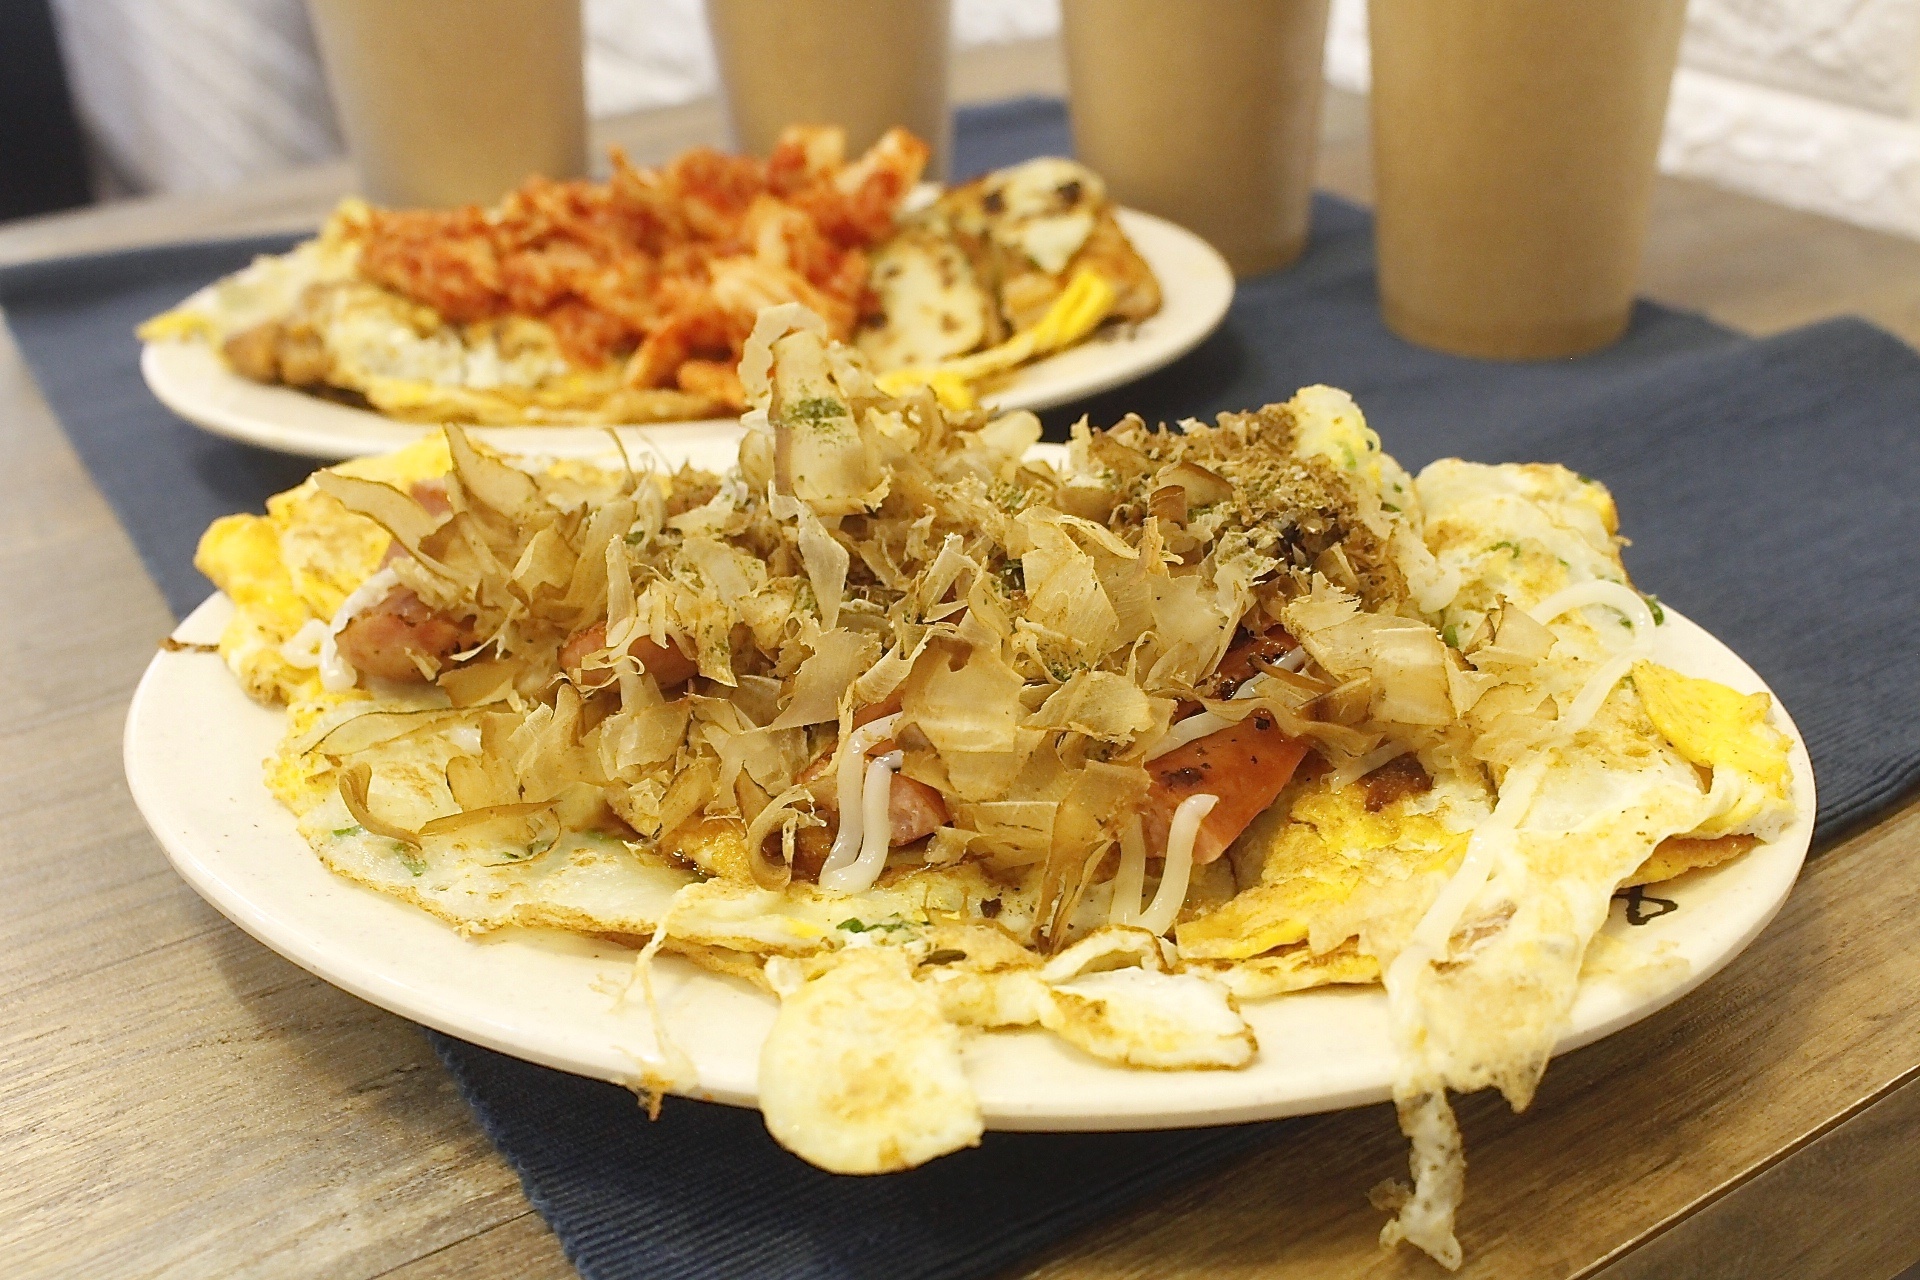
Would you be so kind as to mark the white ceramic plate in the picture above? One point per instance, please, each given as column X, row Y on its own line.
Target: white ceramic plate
column 1195, row 284
column 195, row 742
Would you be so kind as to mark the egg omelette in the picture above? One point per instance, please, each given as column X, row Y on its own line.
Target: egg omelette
column 630, row 300
column 928, row 737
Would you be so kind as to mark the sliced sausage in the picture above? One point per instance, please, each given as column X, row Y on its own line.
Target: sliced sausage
column 385, row 640
column 669, row 667
column 1246, row 765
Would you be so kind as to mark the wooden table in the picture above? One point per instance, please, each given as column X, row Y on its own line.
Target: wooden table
column 177, row 1100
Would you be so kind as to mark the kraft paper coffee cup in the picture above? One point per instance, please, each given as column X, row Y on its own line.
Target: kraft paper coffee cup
column 1514, row 147
column 1205, row 112
column 865, row 65
column 450, row 102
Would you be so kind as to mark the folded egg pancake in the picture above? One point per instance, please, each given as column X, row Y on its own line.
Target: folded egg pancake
column 1030, row 227
column 931, row 738
column 1010, row 267
column 630, row 301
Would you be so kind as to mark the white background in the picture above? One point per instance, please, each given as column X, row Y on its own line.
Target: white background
column 1814, row 103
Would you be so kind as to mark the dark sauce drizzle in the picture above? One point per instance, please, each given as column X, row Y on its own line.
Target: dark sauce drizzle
column 1643, row 906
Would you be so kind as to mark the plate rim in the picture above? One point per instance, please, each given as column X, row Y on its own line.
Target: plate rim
column 304, row 942
column 1210, row 289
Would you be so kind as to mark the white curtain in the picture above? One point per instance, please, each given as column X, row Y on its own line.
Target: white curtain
column 181, row 95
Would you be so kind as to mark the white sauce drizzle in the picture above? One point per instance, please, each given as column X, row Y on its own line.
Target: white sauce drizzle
column 853, row 783
column 1639, row 618
column 1178, row 868
column 1130, row 881
column 858, row 876
column 1204, row 724
column 1586, row 704
column 302, row 648
column 336, row 673
column 1625, row 600
column 1427, row 1217
column 1435, row 930
column 1360, row 766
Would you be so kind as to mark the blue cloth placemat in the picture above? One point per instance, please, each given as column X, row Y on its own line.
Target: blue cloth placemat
column 1769, row 487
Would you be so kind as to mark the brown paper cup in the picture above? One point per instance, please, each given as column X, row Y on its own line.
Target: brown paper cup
column 1514, row 145
column 450, row 102
column 865, row 65
column 1205, row 112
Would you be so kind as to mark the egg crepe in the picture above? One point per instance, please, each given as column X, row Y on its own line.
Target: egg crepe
column 998, row 258
column 930, row 737
column 629, row 301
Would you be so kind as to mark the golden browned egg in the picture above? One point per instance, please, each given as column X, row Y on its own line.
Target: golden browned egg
column 1322, row 864
column 862, row 1073
column 923, row 734
column 933, row 304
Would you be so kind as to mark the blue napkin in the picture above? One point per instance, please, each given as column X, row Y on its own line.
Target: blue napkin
column 1768, row 485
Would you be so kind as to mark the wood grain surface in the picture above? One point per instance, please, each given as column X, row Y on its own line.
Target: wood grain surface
column 175, row 1100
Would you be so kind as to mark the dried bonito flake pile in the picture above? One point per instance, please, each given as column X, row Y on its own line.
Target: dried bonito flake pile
column 929, row 731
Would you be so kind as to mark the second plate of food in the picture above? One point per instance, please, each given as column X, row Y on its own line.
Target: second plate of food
column 191, row 367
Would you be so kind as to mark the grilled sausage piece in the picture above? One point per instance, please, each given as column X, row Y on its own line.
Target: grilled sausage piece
column 669, row 667
column 391, row 639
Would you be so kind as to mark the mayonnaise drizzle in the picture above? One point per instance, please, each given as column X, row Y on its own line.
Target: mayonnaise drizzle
column 1130, row 881
column 1178, row 868
column 336, row 673
column 1203, row 724
column 854, row 786
column 1639, row 618
column 1431, row 936
column 1427, row 1218
column 302, row 648
column 1614, row 596
column 859, row 875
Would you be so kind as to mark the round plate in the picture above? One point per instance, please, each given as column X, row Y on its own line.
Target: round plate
column 194, row 746
column 1195, row 284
